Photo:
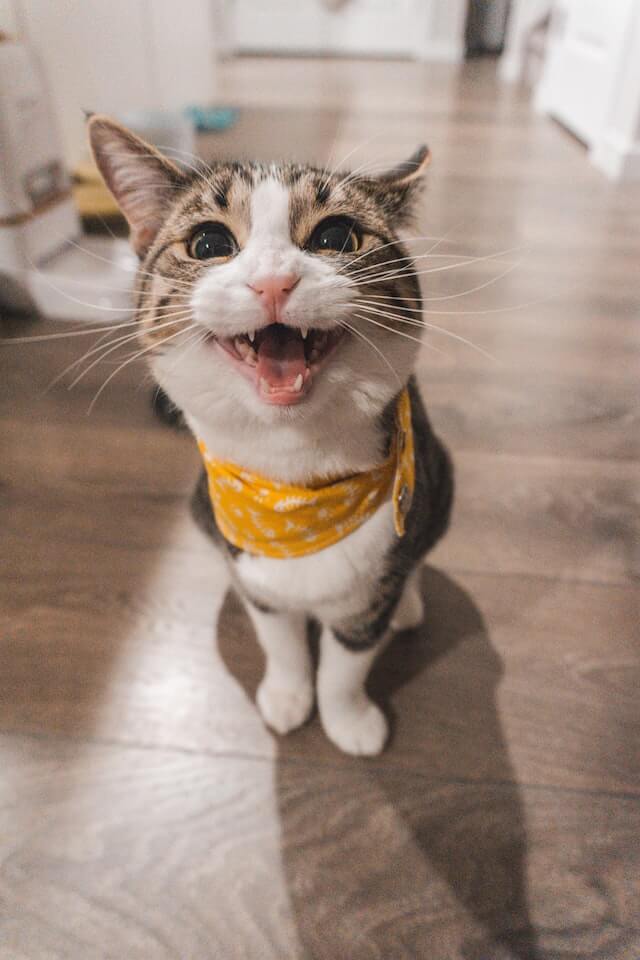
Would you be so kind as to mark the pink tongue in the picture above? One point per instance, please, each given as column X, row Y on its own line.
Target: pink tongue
column 281, row 357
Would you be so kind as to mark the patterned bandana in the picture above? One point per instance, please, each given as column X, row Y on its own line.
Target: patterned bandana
column 272, row 519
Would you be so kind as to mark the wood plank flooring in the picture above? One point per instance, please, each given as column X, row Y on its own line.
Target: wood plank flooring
column 145, row 812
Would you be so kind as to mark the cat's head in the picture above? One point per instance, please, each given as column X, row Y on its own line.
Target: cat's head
column 268, row 291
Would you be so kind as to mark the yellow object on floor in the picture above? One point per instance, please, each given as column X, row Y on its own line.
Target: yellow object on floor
column 92, row 198
column 272, row 519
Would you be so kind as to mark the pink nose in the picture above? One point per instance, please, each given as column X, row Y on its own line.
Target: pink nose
column 273, row 291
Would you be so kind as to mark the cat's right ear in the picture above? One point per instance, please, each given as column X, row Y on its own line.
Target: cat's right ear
column 142, row 181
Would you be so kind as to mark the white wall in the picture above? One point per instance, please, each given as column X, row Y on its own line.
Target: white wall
column 8, row 22
column 115, row 56
column 427, row 29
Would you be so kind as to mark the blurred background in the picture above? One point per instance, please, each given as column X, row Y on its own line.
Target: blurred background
column 145, row 812
column 354, row 81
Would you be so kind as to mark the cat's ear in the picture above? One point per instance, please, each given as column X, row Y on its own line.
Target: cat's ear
column 142, row 181
column 401, row 185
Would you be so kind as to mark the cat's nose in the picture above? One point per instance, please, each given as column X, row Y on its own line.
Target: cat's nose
column 274, row 290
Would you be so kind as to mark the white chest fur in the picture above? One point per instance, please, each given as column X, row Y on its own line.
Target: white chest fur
column 332, row 584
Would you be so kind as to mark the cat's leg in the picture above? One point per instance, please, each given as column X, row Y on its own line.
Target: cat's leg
column 350, row 719
column 285, row 695
column 409, row 613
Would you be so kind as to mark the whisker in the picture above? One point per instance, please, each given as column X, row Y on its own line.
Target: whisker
column 100, row 345
column 369, row 165
column 375, row 300
column 399, row 333
column 359, row 146
column 393, row 243
column 402, row 272
column 454, row 296
column 461, row 313
column 199, row 337
column 104, row 328
column 105, row 350
column 41, row 338
column 408, row 258
column 372, row 168
column 136, row 356
column 358, row 333
column 139, row 272
column 33, row 268
column 430, row 326
column 72, row 299
column 116, row 346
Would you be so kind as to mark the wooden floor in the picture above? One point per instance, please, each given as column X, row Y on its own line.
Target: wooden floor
column 145, row 813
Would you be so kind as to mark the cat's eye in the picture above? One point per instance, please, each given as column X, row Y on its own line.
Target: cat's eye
column 335, row 235
column 211, row 241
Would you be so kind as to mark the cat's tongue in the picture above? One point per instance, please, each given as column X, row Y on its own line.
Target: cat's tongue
column 281, row 360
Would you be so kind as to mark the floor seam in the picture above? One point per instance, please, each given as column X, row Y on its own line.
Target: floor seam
column 367, row 765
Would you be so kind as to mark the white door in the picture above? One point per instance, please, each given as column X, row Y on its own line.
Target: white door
column 588, row 45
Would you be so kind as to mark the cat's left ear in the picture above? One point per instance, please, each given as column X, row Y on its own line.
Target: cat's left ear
column 401, row 185
column 142, row 181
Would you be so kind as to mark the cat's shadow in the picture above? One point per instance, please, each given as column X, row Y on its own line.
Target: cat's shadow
column 421, row 852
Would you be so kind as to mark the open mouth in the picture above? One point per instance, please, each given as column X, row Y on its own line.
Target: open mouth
column 280, row 360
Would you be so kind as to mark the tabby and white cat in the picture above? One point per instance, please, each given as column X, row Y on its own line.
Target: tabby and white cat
column 273, row 300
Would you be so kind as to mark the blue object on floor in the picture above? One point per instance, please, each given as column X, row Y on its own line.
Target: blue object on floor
column 208, row 119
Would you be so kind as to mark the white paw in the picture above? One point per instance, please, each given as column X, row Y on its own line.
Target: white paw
column 359, row 728
column 283, row 707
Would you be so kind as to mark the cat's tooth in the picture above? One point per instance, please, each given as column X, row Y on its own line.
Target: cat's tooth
column 251, row 358
column 242, row 347
column 252, row 335
column 297, row 383
column 304, row 333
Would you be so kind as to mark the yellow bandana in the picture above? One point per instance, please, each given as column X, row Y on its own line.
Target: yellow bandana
column 273, row 519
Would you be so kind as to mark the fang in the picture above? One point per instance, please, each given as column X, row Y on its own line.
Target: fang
column 242, row 347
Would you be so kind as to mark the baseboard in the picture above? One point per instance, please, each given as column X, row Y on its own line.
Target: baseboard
column 616, row 158
column 442, row 52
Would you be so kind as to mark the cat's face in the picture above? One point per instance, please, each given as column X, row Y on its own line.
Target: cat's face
column 267, row 292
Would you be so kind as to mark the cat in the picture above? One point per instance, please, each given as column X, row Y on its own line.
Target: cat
column 273, row 300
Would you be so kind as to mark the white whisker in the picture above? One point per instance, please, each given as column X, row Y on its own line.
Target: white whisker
column 429, row 326
column 136, row 356
column 42, row 338
column 454, row 296
column 111, row 348
column 408, row 259
column 100, row 345
column 139, row 271
column 394, row 243
column 358, row 333
column 399, row 333
column 403, row 272
column 359, row 146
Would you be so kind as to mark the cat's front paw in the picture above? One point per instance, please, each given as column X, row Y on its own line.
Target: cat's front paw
column 284, row 707
column 359, row 727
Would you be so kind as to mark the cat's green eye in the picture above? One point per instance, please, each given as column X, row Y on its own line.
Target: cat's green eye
column 335, row 235
column 211, row 241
